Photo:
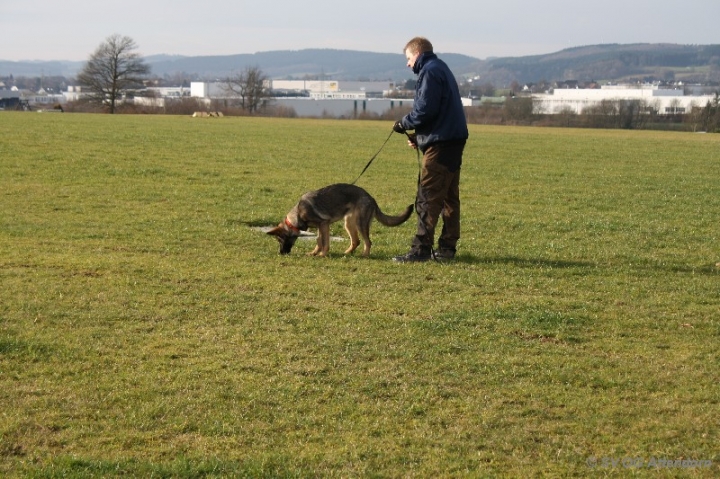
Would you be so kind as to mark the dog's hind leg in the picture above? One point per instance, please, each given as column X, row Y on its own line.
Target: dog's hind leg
column 352, row 230
column 364, row 228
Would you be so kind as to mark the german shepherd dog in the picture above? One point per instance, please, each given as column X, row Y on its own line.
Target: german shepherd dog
column 320, row 208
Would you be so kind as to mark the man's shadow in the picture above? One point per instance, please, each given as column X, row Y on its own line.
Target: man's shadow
column 522, row 262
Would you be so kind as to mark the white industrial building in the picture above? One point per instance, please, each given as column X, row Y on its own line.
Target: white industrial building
column 318, row 98
column 662, row 100
column 330, row 98
column 320, row 89
column 208, row 90
column 342, row 108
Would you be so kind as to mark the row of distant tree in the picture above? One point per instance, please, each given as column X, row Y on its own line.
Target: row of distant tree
column 115, row 69
column 612, row 114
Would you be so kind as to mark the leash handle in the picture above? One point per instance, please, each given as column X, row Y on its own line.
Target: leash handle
column 373, row 158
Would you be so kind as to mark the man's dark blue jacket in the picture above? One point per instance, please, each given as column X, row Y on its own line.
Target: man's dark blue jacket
column 437, row 114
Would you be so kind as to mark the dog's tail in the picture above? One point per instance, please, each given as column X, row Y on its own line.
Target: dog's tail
column 393, row 220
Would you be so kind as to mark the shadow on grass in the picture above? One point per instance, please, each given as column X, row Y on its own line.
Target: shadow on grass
column 465, row 258
column 503, row 260
column 709, row 269
column 523, row 262
column 260, row 223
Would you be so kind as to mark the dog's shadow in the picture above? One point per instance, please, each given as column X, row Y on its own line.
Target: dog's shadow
column 469, row 258
column 260, row 223
column 264, row 226
column 462, row 258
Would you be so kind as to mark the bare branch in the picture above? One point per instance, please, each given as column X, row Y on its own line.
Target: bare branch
column 250, row 86
column 112, row 69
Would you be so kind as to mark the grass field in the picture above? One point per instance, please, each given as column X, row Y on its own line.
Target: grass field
column 148, row 329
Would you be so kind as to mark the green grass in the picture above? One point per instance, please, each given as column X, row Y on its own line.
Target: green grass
column 148, row 329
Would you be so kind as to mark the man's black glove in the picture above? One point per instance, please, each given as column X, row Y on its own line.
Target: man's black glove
column 398, row 128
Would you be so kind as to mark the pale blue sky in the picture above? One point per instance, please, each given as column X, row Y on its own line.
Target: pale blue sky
column 72, row 29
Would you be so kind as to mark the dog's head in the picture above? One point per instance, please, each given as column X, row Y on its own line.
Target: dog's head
column 286, row 234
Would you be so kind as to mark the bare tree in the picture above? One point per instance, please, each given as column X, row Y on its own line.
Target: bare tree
column 112, row 70
column 251, row 86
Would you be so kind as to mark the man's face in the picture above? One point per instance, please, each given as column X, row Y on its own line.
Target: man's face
column 411, row 58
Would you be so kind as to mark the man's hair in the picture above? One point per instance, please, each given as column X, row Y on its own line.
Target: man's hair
column 418, row 45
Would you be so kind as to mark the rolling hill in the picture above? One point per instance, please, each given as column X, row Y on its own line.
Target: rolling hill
column 691, row 63
column 614, row 62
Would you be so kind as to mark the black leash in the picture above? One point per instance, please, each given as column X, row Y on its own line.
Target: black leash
column 373, row 158
column 417, row 150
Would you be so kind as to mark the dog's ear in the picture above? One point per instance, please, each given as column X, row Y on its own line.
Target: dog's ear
column 277, row 231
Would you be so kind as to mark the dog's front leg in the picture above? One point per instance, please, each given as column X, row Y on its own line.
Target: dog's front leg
column 322, row 233
column 324, row 239
column 318, row 247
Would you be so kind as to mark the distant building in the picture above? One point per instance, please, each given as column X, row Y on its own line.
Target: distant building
column 43, row 98
column 169, row 92
column 73, row 93
column 316, row 98
column 208, row 90
column 9, row 98
column 320, row 89
column 576, row 100
column 346, row 108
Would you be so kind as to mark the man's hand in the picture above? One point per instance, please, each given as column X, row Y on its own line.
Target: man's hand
column 412, row 140
column 398, row 128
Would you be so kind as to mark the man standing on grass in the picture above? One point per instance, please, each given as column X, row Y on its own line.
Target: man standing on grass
column 441, row 131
